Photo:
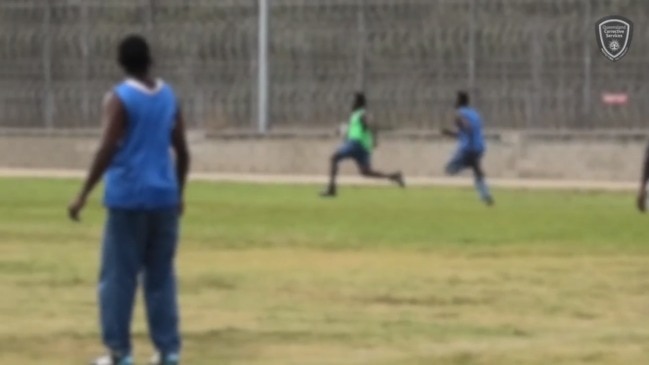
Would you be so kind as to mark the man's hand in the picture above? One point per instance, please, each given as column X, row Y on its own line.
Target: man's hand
column 75, row 208
column 642, row 200
column 448, row 132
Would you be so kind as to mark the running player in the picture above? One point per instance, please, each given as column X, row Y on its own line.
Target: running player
column 144, row 198
column 358, row 145
column 471, row 145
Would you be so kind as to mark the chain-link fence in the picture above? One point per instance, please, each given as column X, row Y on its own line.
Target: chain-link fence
column 530, row 63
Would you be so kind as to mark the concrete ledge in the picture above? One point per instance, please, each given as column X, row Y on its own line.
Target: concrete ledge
column 349, row 180
column 593, row 156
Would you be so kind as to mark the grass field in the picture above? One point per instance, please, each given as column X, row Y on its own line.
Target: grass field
column 274, row 275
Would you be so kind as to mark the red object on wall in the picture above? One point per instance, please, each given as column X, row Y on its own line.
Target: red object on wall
column 615, row 98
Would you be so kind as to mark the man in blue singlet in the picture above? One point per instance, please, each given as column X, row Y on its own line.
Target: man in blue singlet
column 144, row 198
column 471, row 145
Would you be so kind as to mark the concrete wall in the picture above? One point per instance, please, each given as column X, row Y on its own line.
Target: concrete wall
column 510, row 155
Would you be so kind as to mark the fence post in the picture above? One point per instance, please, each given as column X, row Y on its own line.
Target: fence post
column 362, row 43
column 471, row 62
column 440, row 65
column 194, row 92
column 148, row 16
column 46, row 55
column 85, row 62
column 587, row 92
column 262, row 94
column 536, row 66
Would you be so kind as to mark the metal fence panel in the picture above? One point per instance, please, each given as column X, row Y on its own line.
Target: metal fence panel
column 530, row 63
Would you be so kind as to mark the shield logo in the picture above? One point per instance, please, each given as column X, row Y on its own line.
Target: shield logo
column 614, row 34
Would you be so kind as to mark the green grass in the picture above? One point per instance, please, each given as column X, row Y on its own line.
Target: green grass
column 275, row 275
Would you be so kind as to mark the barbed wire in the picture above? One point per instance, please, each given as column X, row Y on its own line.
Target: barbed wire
column 530, row 64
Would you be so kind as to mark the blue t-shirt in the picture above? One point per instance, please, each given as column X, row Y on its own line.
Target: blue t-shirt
column 471, row 140
column 142, row 174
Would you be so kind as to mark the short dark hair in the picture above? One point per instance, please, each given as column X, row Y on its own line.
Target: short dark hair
column 359, row 100
column 462, row 98
column 134, row 55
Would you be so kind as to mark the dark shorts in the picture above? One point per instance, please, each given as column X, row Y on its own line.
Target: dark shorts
column 355, row 151
column 462, row 160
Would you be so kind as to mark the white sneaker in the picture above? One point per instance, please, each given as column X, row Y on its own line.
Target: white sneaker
column 112, row 360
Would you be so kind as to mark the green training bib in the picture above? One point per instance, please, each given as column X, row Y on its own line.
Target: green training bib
column 356, row 131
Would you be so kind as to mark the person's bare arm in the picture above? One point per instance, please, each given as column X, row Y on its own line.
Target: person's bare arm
column 642, row 192
column 114, row 121
column 372, row 129
column 181, row 149
column 461, row 125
